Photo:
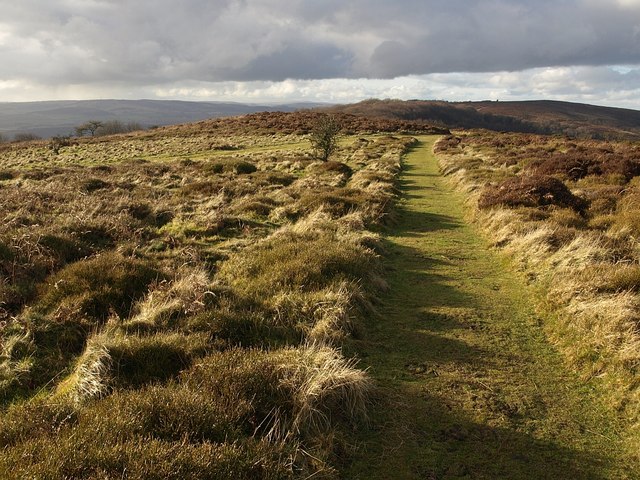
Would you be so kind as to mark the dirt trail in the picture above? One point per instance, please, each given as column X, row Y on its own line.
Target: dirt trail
column 471, row 388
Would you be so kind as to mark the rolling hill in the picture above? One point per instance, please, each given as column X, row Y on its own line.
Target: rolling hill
column 46, row 119
column 540, row 116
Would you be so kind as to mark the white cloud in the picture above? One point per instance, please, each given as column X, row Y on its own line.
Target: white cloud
column 337, row 50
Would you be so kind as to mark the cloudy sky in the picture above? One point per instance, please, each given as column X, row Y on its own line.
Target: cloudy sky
column 321, row 50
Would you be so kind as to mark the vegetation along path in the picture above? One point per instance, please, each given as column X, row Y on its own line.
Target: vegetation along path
column 470, row 387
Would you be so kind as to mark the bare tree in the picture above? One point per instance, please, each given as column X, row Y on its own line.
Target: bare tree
column 324, row 136
column 114, row 127
column 90, row 127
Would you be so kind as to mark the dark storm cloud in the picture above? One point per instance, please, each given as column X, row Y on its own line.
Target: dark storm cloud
column 145, row 42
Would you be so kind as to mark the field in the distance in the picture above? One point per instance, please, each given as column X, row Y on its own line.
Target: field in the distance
column 172, row 301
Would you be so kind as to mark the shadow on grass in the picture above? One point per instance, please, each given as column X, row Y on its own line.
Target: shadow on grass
column 422, row 434
column 445, row 444
column 436, row 429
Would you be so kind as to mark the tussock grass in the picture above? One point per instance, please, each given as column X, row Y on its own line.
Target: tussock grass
column 166, row 305
column 172, row 307
column 15, row 360
column 295, row 261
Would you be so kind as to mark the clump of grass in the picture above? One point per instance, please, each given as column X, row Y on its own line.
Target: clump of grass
column 626, row 220
column 531, row 191
column 92, row 184
column 91, row 377
column 16, row 361
column 328, row 316
column 325, row 388
column 337, row 202
column 98, row 287
column 333, row 167
column 290, row 260
column 297, row 391
column 260, row 206
column 93, row 456
column 38, row 417
column 113, row 360
column 170, row 302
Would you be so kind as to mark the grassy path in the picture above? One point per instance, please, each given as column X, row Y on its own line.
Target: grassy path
column 471, row 388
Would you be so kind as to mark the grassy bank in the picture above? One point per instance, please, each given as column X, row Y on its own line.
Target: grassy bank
column 469, row 387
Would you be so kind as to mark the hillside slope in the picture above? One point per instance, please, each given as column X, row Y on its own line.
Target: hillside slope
column 544, row 116
column 173, row 302
column 60, row 117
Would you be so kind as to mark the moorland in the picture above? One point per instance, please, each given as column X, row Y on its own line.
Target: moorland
column 174, row 301
column 212, row 300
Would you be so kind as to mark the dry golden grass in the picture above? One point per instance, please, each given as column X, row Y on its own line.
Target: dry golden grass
column 172, row 302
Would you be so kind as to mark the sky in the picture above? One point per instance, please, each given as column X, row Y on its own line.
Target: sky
column 337, row 51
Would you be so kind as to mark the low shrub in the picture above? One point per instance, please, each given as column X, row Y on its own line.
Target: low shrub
column 572, row 165
column 531, row 191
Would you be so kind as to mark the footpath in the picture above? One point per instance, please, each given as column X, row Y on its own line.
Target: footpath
column 469, row 386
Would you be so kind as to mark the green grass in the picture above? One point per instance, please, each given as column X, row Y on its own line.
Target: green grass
column 469, row 385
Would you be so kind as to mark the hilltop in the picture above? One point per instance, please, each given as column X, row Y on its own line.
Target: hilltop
column 543, row 116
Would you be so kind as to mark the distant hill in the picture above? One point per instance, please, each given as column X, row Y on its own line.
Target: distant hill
column 46, row 119
column 544, row 116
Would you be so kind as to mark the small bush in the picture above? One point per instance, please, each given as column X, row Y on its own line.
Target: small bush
column 531, row 191
column 571, row 165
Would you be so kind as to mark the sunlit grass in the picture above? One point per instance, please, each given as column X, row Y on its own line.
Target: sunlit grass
column 173, row 301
